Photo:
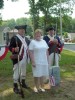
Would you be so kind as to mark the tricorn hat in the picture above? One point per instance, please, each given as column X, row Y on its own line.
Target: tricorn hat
column 50, row 28
column 21, row 27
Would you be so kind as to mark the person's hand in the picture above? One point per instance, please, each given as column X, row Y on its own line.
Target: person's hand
column 17, row 49
column 51, row 41
column 33, row 64
column 55, row 41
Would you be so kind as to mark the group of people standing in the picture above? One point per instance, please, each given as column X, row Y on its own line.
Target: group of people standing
column 41, row 52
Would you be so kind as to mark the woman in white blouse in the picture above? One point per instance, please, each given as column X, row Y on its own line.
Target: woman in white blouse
column 39, row 57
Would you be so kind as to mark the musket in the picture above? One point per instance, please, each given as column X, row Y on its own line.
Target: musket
column 19, row 73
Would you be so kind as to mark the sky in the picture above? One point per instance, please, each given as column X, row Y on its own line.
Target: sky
column 17, row 9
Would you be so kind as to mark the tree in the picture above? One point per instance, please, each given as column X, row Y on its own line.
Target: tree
column 1, row 4
column 21, row 21
column 34, row 12
column 67, row 22
column 51, row 13
column 73, row 25
column 9, row 23
column 51, row 8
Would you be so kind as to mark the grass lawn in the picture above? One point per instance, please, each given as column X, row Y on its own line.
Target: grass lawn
column 66, row 90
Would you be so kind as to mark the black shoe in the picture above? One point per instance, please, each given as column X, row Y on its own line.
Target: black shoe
column 25, row 86
column 16, row 90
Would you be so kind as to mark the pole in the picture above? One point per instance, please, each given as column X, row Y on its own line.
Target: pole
column 60, row 21
column 19, row 73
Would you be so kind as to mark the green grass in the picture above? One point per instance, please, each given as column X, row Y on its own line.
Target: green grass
column 6, row 66
column 66, row 90
column 67, row 64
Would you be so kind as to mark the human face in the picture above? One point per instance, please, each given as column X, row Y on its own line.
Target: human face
column 21, row 32
column 37, row 36
column 51, row 32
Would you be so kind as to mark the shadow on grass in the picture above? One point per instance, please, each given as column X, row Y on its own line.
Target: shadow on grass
column 66, row 91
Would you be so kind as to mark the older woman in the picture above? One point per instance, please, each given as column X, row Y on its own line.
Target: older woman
column 39, row 58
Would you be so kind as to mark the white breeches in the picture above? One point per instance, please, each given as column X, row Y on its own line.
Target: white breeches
column 51, row 58
column 19, row 70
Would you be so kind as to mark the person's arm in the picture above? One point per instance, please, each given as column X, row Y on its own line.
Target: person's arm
column 13, row 46
column 47, row 56
column 27, row 41
column 47, row 39
column 60, row 45
column 31, row 54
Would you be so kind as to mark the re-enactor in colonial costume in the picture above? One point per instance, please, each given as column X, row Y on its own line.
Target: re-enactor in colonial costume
column 55, row 48
column 18, row 47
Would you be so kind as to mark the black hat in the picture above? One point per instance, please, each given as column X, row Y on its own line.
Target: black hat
column 49, row 28
column 21, row 27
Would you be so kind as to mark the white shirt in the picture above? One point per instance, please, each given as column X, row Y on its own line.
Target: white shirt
column 39, row 48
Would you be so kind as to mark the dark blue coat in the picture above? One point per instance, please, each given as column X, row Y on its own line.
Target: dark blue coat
column 13, row 43
column 53, row 47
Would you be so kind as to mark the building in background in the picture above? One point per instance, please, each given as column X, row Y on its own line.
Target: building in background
column 5, row 35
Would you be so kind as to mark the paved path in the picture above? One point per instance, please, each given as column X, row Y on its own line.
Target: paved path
column 69, row 46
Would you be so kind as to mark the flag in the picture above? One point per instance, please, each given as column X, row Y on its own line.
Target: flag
column 3, row 52
column 52, row 80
